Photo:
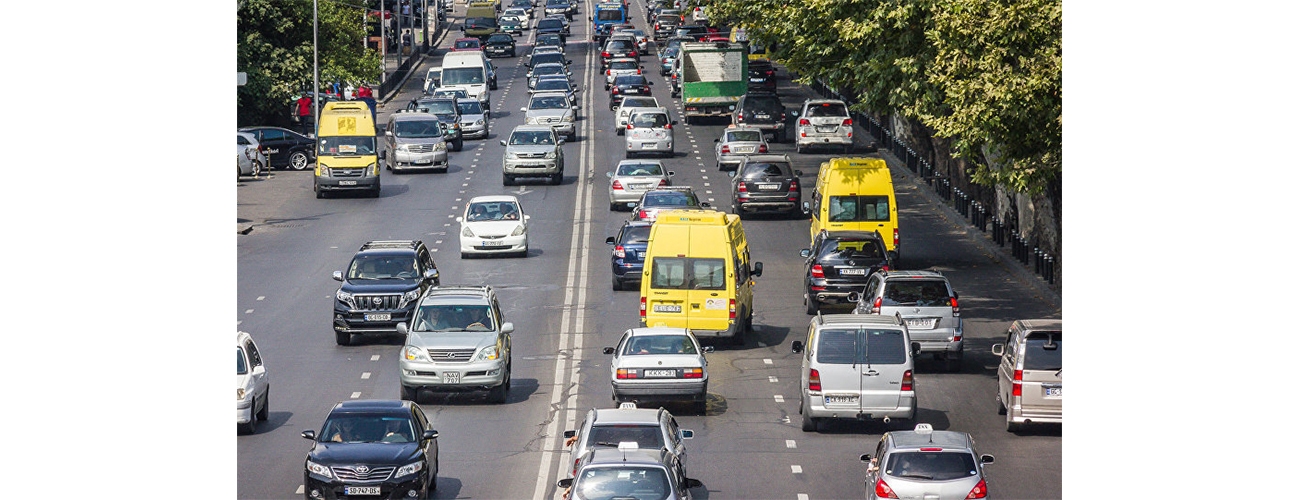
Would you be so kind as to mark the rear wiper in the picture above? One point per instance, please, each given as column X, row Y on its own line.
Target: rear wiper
column 604, row 443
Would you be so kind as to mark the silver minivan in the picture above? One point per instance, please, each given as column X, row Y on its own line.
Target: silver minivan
column 414, row 140
column 856, row 367
column 649, row 130
column 927, row 303
column 1029, row 373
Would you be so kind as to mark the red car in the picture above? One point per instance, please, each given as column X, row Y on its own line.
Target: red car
column 715, row 38
column 467, row 44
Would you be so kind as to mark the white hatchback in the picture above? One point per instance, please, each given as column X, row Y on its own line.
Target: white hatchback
column 649, row 130
column 252, row 385
column 627, row 106
column 493, row 225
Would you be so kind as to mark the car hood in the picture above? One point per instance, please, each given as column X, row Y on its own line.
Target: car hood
column 530, row 148
column 452, row 340
column 547, row 112
column 392, row 285
column 470, row 118
column 660, row 361
column 398, row 454
column 493, row 227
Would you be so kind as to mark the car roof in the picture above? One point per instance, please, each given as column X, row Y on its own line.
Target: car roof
column 1040, row 324
column 617, row 416
column 413, row 116
column 908, row 274
column 551, row 93
column 240, row 337
column 741, row 128
column 912, row 440
column 768, row 158
column 657, row 330
column 493, row 198
column 393, row 406
column 852, row 235
column 818, row 102
column 648, row 109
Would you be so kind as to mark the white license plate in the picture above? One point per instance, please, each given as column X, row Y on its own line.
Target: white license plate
column 451, row 377
column 360, row 490
column 651, row 145
column 831, row 400
column 1052, row 392
column 745, row 150
column 766, row 186
column 347, row 183
column 632, row 91
column 493, row 243
column 921, row 323
column 756, row 80
column 661, row 373
column 853, row 272
column 379, row 317
column 761, row 117
column 668, row 308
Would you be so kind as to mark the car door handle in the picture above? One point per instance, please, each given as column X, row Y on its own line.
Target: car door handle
column 871, row 373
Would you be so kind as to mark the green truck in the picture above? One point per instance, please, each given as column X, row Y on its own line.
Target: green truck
column 713, row 76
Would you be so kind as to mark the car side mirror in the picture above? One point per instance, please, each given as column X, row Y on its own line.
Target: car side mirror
column 705, row 204
column 429, row 434
column 916, row 348
column 794, row 113
column 607, row 350
column 999, row 349
column 648, row 82
column 383, row 155
column 402, row 329
column 565, row 483
column 758, row 269
column 731, row 173
column 570, row 433
column 718, row 140
column 806, row 208
column 527, row 218
column 559, row 142
column 707, row 348
column 693, row 483
column 388, row 133
column 460, row 219
column 866, row 457
column 462, row 28
column 671, row 173
column 609, row 174
column 503, row 143
column 338, row 275
column 610, row 240
column 309, row 435
column 509, row 327
column 804, row 253
column 986, row 458
column 568, row 61
column 687, row 433
column 431, row 274
column 798, row 173
column 796, row 346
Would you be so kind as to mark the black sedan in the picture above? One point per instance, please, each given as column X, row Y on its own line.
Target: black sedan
column 372, row 448
column 500, row 44
column 627, row 85
column 839, row 263
column 762, row 76
column 284, row 147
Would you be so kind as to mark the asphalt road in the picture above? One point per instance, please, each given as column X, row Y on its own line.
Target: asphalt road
column 746, row 445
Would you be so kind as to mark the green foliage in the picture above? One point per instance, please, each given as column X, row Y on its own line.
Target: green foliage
column 274, row 48
column 985, row 73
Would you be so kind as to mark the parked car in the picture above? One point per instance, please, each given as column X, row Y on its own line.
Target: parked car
column 628, row 257
column 660, row 364
column 763, row 111
column 493, row 225
column 251, row 159
column 838, row 265
column 649, row 130
column 533, row 150
column 1029, row 373
column 284, row 148
column 735, row 144
column 377, row 448
column 252, row 385
column 631, row 178
column 927, row 302
column 925, row 463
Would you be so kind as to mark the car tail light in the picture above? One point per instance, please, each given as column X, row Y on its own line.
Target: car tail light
column 1017, row 383
column 616, row 185
column 604, row 54
column 956, row 311
column 875, row 306
column 907, row 380
column 731, row 308
column 848, row 122
column 762, row 148
column 693, row 373
column 895, row 237
column 741, row 187
column 619, row 252
column 726, row 150
column 642, row 215
column 668, row 126
column 817, row 271
column 814, row 381
column 633, row 54
column 638, row 71
column 614, row 90
column 771, row 72
column 803, row 122
column 794, row 184
column 624, row 373
column 608, row 71
column 643, row 298
column 883, row 490
column 663, row 182
column 980, row 490
column 740, row 118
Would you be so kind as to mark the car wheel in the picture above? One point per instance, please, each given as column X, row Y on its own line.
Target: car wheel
column 507, row 180
column 257, row 168
column 615, row 283
column 702, row 407
column 319, row 194
column 460, row 145
column 464, row 255
column 618, row 130
column 248, row 427
column 1002, row 408
column 265, row 412
column 557, row 178
column 342, row 338
column 409, row 393
column 812, row 305
column 952, row 361
column 497, row 395
column 798, row 148
column 433, row 479
column 808, row 424
column 613, row 207
column 298, row 161
column 374, row 193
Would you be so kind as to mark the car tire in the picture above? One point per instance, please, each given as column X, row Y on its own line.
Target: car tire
column 619, row 130
column 342, row 338
column 701, row 407
column 798, row 148
column 507, row 180
column 811, row 306
column 298, row 161
column 808, row 424
column 497, row 395
column 460, row 145
column 1002, row 408
column 248, row 427
column 615, row 283
column 433, row 479
column 557, row 178
column 257, row 168
column 464, row 255
column 374, row 193
column 613, row 207
column 952, row 362
column 408, row 393
column 319, row 194
column 265, row 412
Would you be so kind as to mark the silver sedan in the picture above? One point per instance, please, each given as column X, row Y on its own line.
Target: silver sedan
column 659, row 364
column 736, row 143
column 632, row 178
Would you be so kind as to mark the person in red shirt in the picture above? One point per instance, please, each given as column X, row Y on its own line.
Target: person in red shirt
column 364, row 91
column 304, row 113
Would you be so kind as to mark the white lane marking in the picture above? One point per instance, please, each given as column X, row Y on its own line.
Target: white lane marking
column 374, row 357
column 795, row 469
column 789, row 443
column 356, row 395
column 439, row 242
column 767, row 361
column 708, row 191
column 771, row 379
column 365, row 375
column 240, row 322
column 248, row 311
column 803, row 496
column 779, row 398
column 261, row 297
column 299, row 491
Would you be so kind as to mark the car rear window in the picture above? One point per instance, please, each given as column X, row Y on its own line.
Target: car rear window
column 1040, row 353
column 933, row 466
column 669, row 199
column 636, row 234
column 913, row 292
column 767, row 169
column 827, row 109
column 622, row 65
column 859, row 208
column 626, row 481
column 649, row 120
column 688, row 273
column 646, row 437
column 861, row 346
column 659, row 344
column 744, row 135
column 842, row 250
column 640, row 169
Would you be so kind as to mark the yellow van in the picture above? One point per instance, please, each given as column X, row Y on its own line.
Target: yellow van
column 698, row 275
column 855, row 194
column 345, row 149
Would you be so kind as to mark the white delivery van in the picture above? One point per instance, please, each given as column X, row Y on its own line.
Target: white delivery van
column 469, row 70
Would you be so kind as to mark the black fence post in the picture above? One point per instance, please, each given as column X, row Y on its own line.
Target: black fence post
column 997, row 232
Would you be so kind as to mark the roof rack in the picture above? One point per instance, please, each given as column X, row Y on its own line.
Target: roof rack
column 449, row 288
column 389, row 244
column 849, row 319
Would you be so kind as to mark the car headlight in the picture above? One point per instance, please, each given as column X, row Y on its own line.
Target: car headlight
column 518, row 231
column 568, row 117
column 373, row 168
column 441, row 146
column 408, row 297
column 413, row 353
column 488, row 353
column 530, row 120
column 550, row 155
column 466, row 232
column 240, row 393
column 319, row 470
column 409, row 469
column 404, row 147
column 478, row 122
column 344, row 297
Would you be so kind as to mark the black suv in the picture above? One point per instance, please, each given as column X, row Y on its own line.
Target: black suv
column 500, row 44
column 372, row 448
column 381, row 287
column 766, row 183
column 762, row 76
column 840, row 263
column 763, row 111
column 626, row 85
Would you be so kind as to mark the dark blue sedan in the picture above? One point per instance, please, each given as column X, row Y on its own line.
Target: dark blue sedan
column 628, row 257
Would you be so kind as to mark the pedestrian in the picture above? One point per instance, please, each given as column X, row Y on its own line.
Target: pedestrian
column 304, row 113
column 406, row 42
column 364, row 91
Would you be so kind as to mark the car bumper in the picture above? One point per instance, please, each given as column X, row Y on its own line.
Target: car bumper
column 1037, row 415
column 833, row 294
column 334, row 489
column 478, row 376
column 661, row 146
column 756, row 205
column 806, row 139
column 417, row 160
column 502, row 52
column 352, row 321
column 677, row 390
column 627, row 272
column 474, row 131
column 244, row 412
column 493, row 245
column 626, row 196
column 817, row 408
column 366, row 183
column 538, row 167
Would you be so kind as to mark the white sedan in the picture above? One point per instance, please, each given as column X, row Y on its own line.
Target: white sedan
column 252, row 385
column 493, row 225
column 659, row 364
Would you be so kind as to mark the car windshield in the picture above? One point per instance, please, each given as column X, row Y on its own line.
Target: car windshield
column 1039, row 355
column 628, row 65
column 500, row 38
column 859, row 208
column 931, row 466
column 470, row 107
column 840, row 346
column 374, row 267
column 346, row 146
column 671, row 52
column 547, row 56
column 649, row 120
column 913, row 292
column 532, row 137
column 744, row 135
column 548, row 102
column 827, row 109
column 241, row 366
column 640, row 169
column 844, row 250
column 452, row 318
column 417, row 129
column 623, row 482
column 440, row 107
column 351, row 428
column 467, row 44
column 548, row 40
column 659, row 344
column 550, row 24
column 462, row 76
column 451, row 93
column 688, row 273
column 480, row 22
column 492, row 210
column 629, row 80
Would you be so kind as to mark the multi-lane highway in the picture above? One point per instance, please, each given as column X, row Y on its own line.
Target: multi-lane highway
column 747, row 446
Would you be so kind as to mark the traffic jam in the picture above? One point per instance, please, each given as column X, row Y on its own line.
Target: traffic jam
column 610, row 250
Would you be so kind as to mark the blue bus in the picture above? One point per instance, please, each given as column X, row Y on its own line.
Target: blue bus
column 607, row 14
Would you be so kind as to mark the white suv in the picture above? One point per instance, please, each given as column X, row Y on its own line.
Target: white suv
column 824, row 122
column 649, row 130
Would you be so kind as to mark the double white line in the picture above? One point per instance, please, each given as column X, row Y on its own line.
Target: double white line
column 573, row 317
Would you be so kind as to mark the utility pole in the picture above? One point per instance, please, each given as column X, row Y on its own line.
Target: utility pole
column 315, row 66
